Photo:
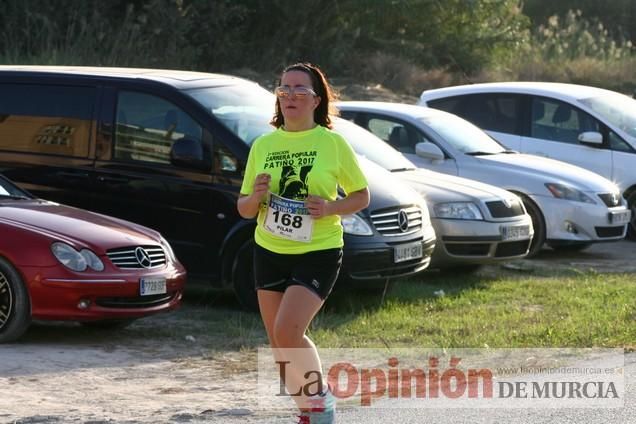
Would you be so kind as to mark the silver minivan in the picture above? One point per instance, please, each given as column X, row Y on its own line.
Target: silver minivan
column 582, row 125
column 571, row 208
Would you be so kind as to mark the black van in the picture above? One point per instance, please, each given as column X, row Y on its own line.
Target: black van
column 167, row 149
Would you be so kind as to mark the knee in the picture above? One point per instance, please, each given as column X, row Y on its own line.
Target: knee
column 287, row 337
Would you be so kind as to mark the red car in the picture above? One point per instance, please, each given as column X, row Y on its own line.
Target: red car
column 63, row 263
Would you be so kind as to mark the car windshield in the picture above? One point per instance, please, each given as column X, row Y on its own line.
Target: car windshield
column 8, row 189
column 245, row 109
column 617, row 109
column 368, row 145
column 463, row 136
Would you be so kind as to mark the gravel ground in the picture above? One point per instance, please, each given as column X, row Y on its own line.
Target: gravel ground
column 64, row 373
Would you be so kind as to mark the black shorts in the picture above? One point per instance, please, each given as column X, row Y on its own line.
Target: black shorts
column 316, row 270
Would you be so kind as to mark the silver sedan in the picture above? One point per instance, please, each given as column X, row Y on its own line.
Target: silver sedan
column 475, row 223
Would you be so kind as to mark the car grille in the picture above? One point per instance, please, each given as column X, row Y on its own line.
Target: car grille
column 512, row 248
column 609, row 231
column 397, row 221
column 137, row 257
column 135, row 302
column 498, row 209
column 468, row 249
column 611, row 200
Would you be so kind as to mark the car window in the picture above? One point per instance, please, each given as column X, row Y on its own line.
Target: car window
column 559, row 121
column 368, row 145
column 147, row 126
column 7, row 188
column 245, row 109
column 448, row 104
column 508, row 110
column 462, row 135
column 615, row 108
column 493, row 112
column 618, row 144
column 402, row 136
column 46, row 119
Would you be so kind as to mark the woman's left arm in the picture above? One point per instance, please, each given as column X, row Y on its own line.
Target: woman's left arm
column 354, row 202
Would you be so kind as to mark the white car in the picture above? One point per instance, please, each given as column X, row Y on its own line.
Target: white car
column 570, row 207
column 585, row 126
column 475, row 223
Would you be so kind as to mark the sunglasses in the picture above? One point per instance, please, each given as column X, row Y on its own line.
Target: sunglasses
column 295, row 92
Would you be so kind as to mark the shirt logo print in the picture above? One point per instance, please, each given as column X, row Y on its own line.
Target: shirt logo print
column 293, row 182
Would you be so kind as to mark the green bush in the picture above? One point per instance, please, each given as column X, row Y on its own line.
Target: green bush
column 221, row 35
column 573, row 49
column 94, row 33
column 575, row 37
column 406, row 45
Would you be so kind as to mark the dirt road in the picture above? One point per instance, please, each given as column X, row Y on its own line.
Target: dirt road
column 154, row 372
column 601, row 257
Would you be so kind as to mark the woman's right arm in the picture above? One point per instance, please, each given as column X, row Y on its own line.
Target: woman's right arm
column 248, row 206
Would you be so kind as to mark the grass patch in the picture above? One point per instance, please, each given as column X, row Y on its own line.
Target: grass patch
column 569, row 310
column 589, row 310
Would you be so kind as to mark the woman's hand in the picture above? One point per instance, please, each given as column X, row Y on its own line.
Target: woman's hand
column 261, row 185
column 248, row 206
column 354, row 202
column 318, row 207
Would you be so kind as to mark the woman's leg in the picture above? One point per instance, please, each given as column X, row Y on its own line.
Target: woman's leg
column 269, row 303
column 297, row 308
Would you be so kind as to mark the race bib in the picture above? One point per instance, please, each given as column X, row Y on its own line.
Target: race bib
column 288, row 219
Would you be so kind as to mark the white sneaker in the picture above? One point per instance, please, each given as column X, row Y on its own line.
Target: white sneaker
column 323, row 409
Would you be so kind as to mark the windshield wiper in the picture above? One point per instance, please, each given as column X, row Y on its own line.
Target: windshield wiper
column 510, row 151
column 403, row 169
column 479, row 153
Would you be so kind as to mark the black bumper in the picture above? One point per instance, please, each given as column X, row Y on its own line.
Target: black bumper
column 370, row 262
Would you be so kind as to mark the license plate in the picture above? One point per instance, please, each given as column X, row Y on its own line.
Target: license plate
column 407, row 252
column 518, row 232
column 149, row 286
column 619, row 217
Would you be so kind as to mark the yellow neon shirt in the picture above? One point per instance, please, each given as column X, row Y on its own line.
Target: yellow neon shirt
column 315, row 162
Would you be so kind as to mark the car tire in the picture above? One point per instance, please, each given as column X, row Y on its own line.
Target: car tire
column 243, row 277
column 538, row 222
column 15, row 304
column 631, row 228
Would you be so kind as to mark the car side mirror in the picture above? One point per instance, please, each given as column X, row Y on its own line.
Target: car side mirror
column 429, row 151
column 189, row 153
column 591, row 137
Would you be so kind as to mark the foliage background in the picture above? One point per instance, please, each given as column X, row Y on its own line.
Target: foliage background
column 406, row 45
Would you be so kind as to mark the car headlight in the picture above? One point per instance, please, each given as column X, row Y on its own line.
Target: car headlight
column 458, row 210
column 354, row 224
column 168, row 248
column 77, row 261
column 562, row 191
column 92, row 260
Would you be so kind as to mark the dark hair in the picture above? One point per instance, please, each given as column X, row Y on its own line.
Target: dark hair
column 320, row 86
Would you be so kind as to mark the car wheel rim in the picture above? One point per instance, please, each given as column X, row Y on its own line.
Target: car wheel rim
column 6, row 300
